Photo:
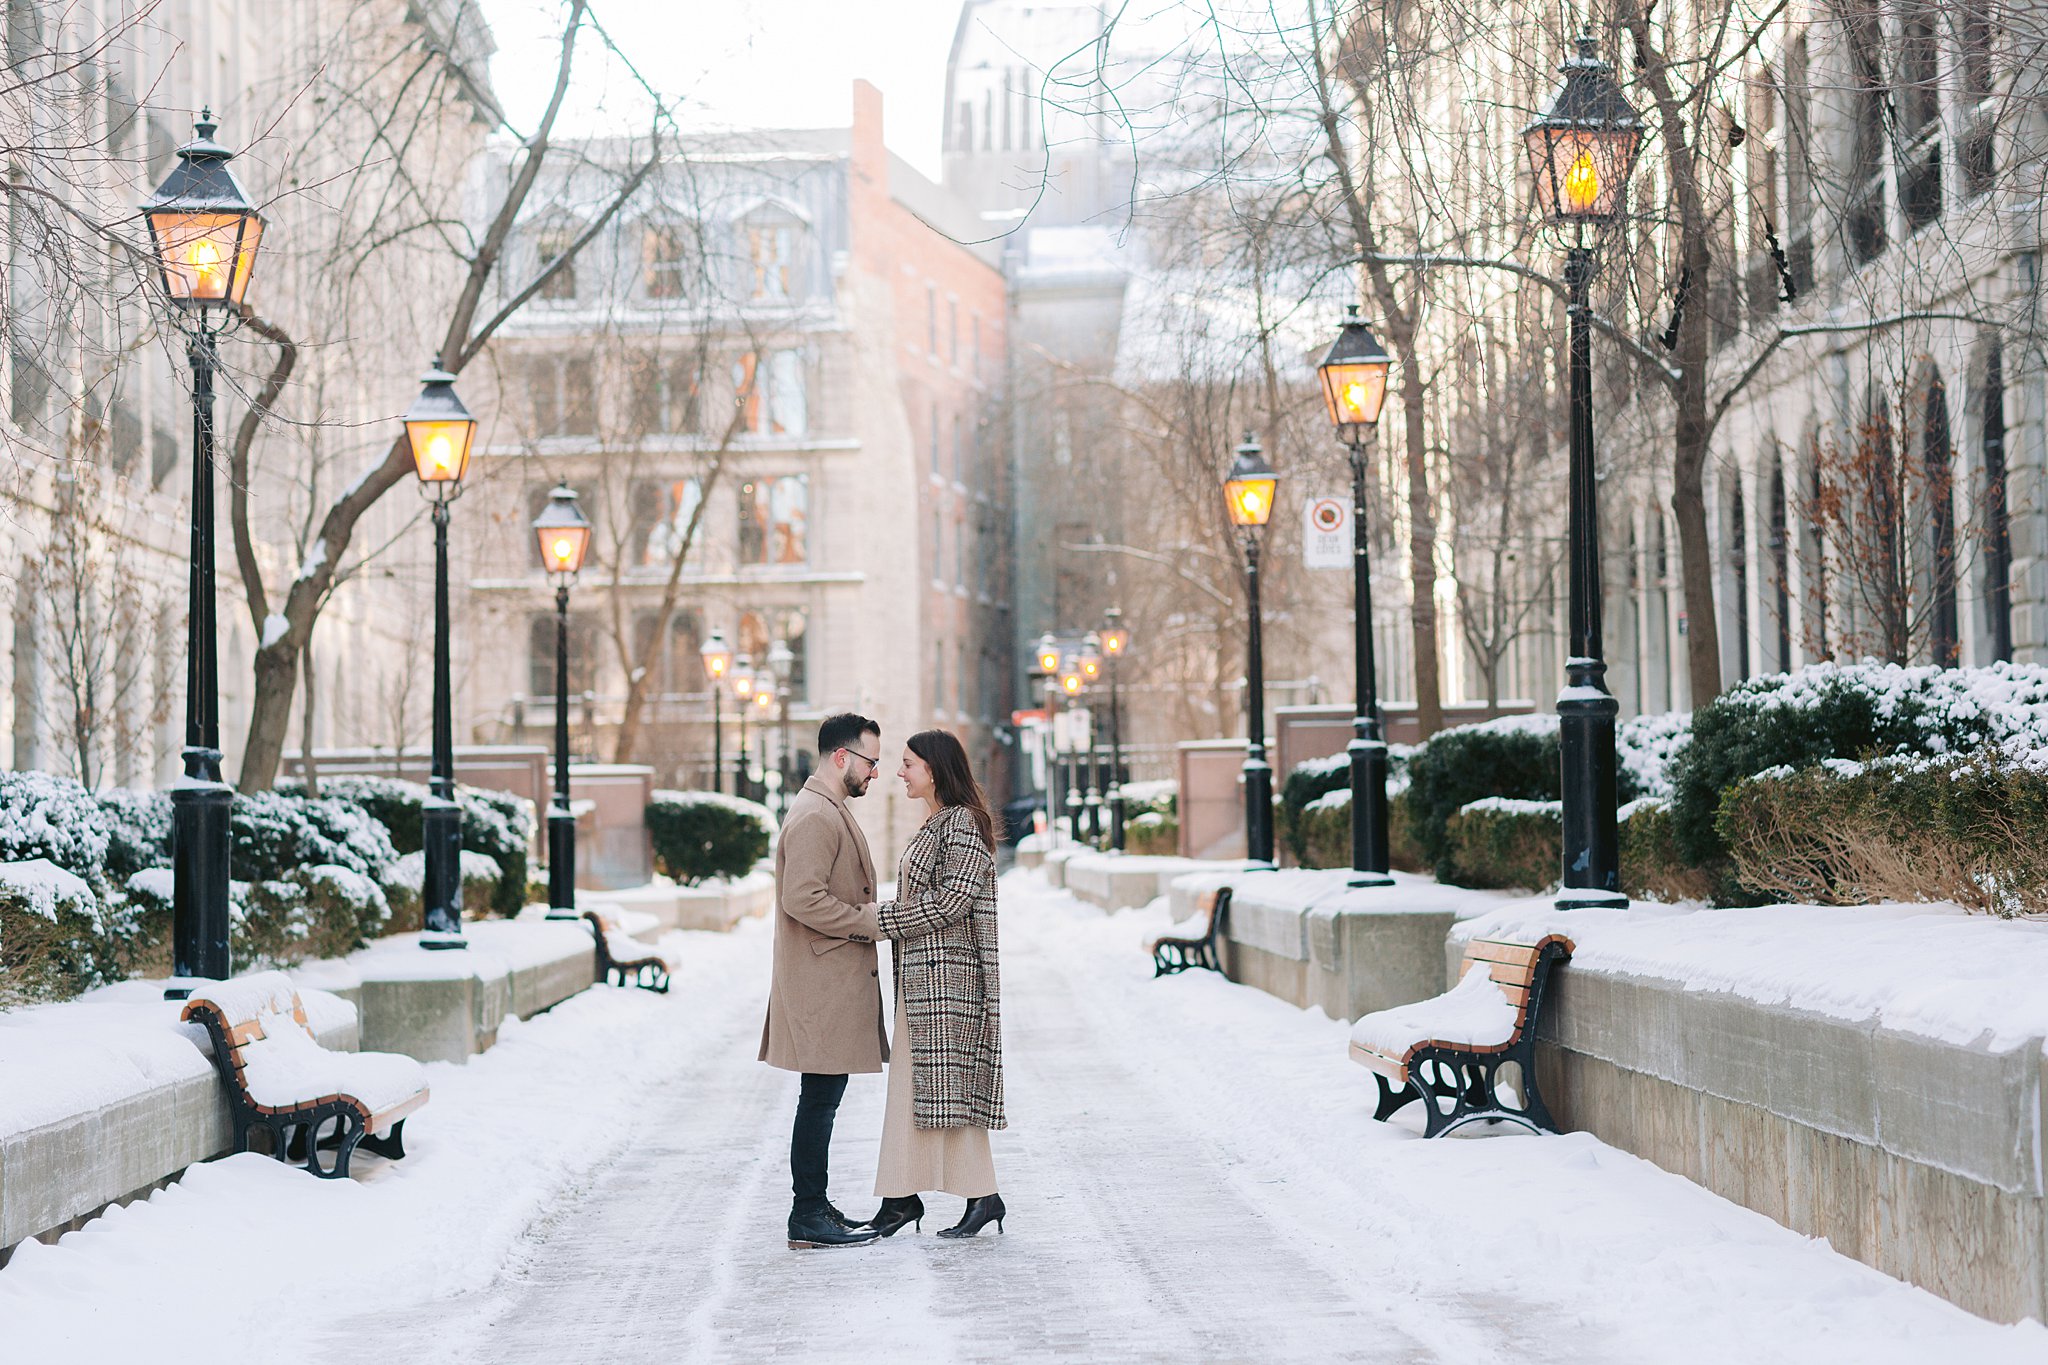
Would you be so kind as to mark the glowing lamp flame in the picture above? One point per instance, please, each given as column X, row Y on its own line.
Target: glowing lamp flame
column 1582, row 184
column 441, row 454
column 564, row 549
column 1252, row 501
column 209, row 281
column 1071, row 684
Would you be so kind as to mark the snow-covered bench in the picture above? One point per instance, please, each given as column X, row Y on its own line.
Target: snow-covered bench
column 621, row 956
column 1450, row 1051
column 1194, row 944
column 279, row 1078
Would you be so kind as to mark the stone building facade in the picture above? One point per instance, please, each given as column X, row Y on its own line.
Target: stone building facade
column 782, row 341
column 98, row 424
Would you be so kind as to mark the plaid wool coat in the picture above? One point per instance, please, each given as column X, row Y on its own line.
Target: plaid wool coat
column 943, row 921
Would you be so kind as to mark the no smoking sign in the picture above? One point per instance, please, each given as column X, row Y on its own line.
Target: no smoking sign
column 1326, row 534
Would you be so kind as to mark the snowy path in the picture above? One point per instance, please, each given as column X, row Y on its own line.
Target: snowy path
column 1193, row 1175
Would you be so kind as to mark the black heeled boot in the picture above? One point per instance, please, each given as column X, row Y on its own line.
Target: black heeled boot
column 895, row 1212
column 980, row 1213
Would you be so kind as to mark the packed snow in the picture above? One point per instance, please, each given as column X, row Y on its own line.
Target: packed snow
column 1476, row 1013
column 1192, row 1173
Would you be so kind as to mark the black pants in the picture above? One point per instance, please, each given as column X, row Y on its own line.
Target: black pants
column 810, row 1142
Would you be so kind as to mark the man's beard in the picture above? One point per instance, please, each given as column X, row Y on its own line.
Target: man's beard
column 858, row 786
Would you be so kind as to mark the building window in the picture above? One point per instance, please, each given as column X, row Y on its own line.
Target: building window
column 960, row 555
column 771, row 261
column 959, row 456
column 1798, row 166
column 1738, row 564
column 679, row 669
column 953, row 332
column 579, row 399
column 774, row 517
column 1781, row 568
column 585, row 640
column 773, row 399
column 1938, row 461
column 932, row 430
column 938, row 676
column 1868, row 96
column 1919, row 113
column 552, row 245
column 665, row 393
column 977, row 347
column 670, row 508
column 938, row 547
column 1976, row 144
column 1997, row 528
column 661, row 260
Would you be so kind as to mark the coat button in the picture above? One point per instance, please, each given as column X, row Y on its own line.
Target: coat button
column 867, row 891
column 874, row 971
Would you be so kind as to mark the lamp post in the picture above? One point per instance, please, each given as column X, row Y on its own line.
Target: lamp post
column 1581, row 152
column 1115, row 640
column 764, row 703
column 441, row 432
column 742, row 688
column 205, row 233
column 1090, row 664
column 1248, row 497
column 1354, row 375
column 782, row 664
column 717, row 659
column 1070, row 777
column 562, row 535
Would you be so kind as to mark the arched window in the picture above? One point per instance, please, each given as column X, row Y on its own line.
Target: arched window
column 1781, row 569
column 1997, row 526
column 1738, row 566
column 1937, row 458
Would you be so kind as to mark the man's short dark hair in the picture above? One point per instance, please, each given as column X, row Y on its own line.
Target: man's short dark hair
column 843, row 731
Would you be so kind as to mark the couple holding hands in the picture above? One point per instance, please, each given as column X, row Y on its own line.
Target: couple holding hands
column 825, row 1000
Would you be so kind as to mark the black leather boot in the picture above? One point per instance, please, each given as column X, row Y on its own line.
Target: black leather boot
column 820, row 1229
column 895, row 1212
column 980, row 1213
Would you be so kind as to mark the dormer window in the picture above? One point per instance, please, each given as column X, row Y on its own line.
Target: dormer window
column 772, row 241
column 550, row 246
column 663, row 247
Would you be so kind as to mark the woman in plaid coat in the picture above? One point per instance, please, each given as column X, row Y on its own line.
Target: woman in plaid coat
column 946, row 1087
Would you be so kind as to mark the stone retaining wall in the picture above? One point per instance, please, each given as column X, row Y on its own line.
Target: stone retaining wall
column 1918, row 1157
column 158, row 1107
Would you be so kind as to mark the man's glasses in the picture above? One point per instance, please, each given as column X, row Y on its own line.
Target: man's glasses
column 873, row 763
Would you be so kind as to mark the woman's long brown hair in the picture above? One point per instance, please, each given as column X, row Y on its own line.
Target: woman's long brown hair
column 953, row 779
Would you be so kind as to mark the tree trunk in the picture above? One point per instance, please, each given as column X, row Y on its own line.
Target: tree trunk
column 1689, row 499
column 1429, row 705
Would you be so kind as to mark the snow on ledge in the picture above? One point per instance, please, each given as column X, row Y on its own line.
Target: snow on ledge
column 1933, row 969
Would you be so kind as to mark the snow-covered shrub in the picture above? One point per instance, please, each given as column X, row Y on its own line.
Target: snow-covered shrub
column 404, row 883
column 1152, row 832
column 343, row 904
column 496, row 824
column 1833, row 711
column 52, row 939
column 699, row 835
column 1327, row 825
column 140, row 923
column 138, row 831
column 1161, row 796
column 45, row 816
column 1951, row 827
column 1307, row 782
column 276, row 833
column 1515, row 757
column 1645, row 747
column 1504, row 842
column 1653, row 869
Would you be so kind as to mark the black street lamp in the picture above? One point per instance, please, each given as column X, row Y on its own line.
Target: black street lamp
column 1354, row 375
column 1090, row 664
column 782, row 665
column 1115, row 640
column 717, row 660
column 205, row 232
column 441, row 432
column 1248, row 496
column 1581, row 152
column 1070, row 777
column 742, row 688
column 562, row 534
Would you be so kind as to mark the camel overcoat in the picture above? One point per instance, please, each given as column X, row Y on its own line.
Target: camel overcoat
column 943, row 921
column 825, row 998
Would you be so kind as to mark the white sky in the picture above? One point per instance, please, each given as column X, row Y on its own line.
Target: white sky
column 764, row 64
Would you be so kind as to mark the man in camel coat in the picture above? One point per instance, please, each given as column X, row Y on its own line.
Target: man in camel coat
column 825, row 999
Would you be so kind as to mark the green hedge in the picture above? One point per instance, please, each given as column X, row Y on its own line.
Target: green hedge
column 1962, row 828
column 1304, row 784
column 1328, row 828
column 1503, row 843
column 1152, row 832
column 1654, row 869
column 496, row 824
column 1514, row 757
column 699, row 835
